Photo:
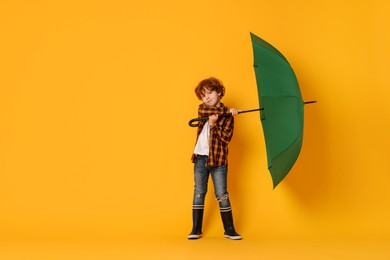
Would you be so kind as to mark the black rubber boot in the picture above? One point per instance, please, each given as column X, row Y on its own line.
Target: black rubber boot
column 197, row 219
column 230, row 232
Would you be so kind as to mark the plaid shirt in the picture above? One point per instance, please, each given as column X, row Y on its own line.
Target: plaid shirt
column 220, row 134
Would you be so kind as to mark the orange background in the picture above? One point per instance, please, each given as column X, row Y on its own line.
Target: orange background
column 95, row 146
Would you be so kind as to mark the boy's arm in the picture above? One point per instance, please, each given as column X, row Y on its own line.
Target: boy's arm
column 223, row 129
column 208, row 111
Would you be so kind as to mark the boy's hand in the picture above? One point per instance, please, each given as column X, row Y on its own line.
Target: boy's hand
column 213, row 119
column 233, row 111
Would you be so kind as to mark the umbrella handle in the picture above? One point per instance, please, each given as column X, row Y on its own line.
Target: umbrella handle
column 195, row 122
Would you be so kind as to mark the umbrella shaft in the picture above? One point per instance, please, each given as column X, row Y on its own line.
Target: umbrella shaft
column 252, row 110
column 195, row 122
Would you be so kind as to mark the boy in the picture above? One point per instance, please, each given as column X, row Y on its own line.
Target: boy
column 210, row 155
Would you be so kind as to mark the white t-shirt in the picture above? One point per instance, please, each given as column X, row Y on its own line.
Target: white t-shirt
column 202, row 145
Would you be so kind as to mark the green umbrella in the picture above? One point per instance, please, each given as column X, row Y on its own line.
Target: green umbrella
column 282, row 108
column 281, row 111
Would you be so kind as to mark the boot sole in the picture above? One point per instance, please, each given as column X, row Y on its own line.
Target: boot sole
column 194, row 236
column 234, row 237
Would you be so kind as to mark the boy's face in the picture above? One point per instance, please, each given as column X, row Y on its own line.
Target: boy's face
column 210, row 98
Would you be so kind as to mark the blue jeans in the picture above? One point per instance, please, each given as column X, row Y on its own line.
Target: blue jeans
column 201, row 177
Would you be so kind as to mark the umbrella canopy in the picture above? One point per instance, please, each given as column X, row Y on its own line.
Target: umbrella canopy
column 282, row 114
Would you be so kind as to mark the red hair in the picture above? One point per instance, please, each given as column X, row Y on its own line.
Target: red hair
column 210, row 84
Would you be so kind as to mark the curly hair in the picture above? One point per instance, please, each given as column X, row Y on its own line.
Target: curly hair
column 210, row 84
